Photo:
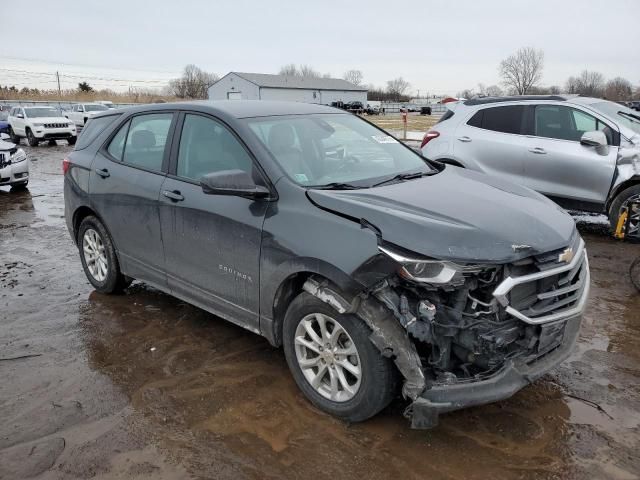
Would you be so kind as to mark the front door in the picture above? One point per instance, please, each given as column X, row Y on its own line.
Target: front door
column 558, row 165
column 125, row 184
column 211, row 242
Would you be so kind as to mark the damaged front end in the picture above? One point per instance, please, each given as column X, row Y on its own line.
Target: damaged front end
column 464, row 335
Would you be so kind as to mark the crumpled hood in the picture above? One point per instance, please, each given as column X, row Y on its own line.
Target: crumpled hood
column 5, row 146
column 457, row 214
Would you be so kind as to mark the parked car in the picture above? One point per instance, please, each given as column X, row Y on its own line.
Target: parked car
column 39, row 124
column 82, row 112
column 372, row 110
column 316, row 229
column 635, row 105
column 4, row 121
column 355, row 107
column 581, row 152
column 14, row 167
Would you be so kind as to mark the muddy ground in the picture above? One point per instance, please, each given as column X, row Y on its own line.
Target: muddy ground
column 144, row 386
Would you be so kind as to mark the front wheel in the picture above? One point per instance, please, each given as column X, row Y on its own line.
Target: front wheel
column 99, row 259
column 333, row 361
column 71, row 140
column 31, row 139
column 618, row 205
column 14, row 138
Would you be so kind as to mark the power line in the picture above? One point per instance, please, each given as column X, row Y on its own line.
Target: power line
column 83, row 77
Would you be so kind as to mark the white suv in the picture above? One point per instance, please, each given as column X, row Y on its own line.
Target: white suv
column 584, row 153
column 40, row 124
column 82, row 112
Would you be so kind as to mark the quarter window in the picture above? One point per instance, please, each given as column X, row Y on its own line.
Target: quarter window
column 207, row 146
column 93, row 128
column 507, row 119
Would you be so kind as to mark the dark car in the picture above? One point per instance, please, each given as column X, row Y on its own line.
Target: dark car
column 367, row 263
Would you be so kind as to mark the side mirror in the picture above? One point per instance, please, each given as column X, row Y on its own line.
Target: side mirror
column 232, row 182
column 596, row 139
column 19, row 115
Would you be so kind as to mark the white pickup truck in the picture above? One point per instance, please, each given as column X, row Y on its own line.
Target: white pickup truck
column 82, row 112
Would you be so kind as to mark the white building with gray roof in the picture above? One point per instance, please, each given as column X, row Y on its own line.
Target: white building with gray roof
column 262, row 86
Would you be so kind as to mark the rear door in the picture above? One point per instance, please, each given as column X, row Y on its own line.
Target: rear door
column 492, row 140
column 558, row 165
column 124, row 186
column 212, row 242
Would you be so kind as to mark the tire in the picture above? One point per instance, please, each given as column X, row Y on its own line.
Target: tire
column 72, row 140
column 619, row 202
column 85, row 122
column 52, row 143
column 108, row 279
column 14, row 138
column 31, row 139
column 378, row 377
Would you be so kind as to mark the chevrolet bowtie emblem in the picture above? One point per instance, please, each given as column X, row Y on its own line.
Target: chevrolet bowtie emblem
column 566, row 256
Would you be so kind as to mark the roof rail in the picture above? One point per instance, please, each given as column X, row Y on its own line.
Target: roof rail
column 513, row 98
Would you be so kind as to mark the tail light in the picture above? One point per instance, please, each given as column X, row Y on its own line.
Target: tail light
column 430, row 135
column 66, row 163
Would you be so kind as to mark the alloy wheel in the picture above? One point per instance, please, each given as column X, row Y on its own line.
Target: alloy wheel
column 328, row 357
column 95, row 255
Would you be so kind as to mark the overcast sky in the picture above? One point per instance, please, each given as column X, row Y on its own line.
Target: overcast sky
column 438, row 46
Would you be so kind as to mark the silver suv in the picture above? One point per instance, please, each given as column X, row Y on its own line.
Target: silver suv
column 584, row 153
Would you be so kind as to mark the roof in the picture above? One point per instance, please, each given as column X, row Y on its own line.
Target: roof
column 289, row 81
column 235, row 108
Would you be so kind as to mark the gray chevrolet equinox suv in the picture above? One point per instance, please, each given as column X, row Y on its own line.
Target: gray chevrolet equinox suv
column 582, row 152
column 376, row 270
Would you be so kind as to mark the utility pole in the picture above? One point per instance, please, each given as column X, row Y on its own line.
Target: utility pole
column 59, row 92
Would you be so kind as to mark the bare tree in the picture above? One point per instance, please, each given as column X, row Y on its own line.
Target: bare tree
column 289, row 70
column 523, row 69
column 309, row 72
column 554, row 90
column 493, row 91
column 397, row 87
column 572, row 85
column 618, row 89
column 590, row 84
column 194, row 83
column 353, row 76
column 466, row 93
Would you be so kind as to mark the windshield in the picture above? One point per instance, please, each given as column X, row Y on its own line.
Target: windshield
column 40, row 112
column 318, row 150
column 627, row 117
column 95, row 108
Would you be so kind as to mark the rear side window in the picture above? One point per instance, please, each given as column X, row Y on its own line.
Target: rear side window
column 141, row 142
column 507, row 119
column 93, row 128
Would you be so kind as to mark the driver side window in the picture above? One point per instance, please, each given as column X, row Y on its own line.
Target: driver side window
column 565, row 123
column 207, row 146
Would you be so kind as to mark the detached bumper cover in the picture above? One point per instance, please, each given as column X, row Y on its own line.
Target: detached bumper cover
column 512, row 377
column 14, row 173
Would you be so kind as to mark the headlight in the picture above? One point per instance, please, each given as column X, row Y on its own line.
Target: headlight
column 429, row 270
column 19, row 156
column 38, row 124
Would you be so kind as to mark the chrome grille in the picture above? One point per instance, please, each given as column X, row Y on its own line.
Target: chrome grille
column 56, row 125
column 554, row 293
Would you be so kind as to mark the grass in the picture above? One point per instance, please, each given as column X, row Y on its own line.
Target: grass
column 393, row 121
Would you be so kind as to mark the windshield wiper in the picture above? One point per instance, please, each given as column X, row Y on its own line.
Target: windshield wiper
column 336, row 186
column 403, row 176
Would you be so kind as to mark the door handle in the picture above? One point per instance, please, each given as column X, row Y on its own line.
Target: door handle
column 103, row 172
column 174, row 195
column 538, row 150
column 464, row 139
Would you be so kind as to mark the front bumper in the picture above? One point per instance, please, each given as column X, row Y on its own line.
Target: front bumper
column 54, row 133
column 512, row 377
column 15, row 173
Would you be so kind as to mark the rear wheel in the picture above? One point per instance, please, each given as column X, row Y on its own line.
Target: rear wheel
column 333, row 361
column 31, row 139
column 622, row 200
column 99, row 259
